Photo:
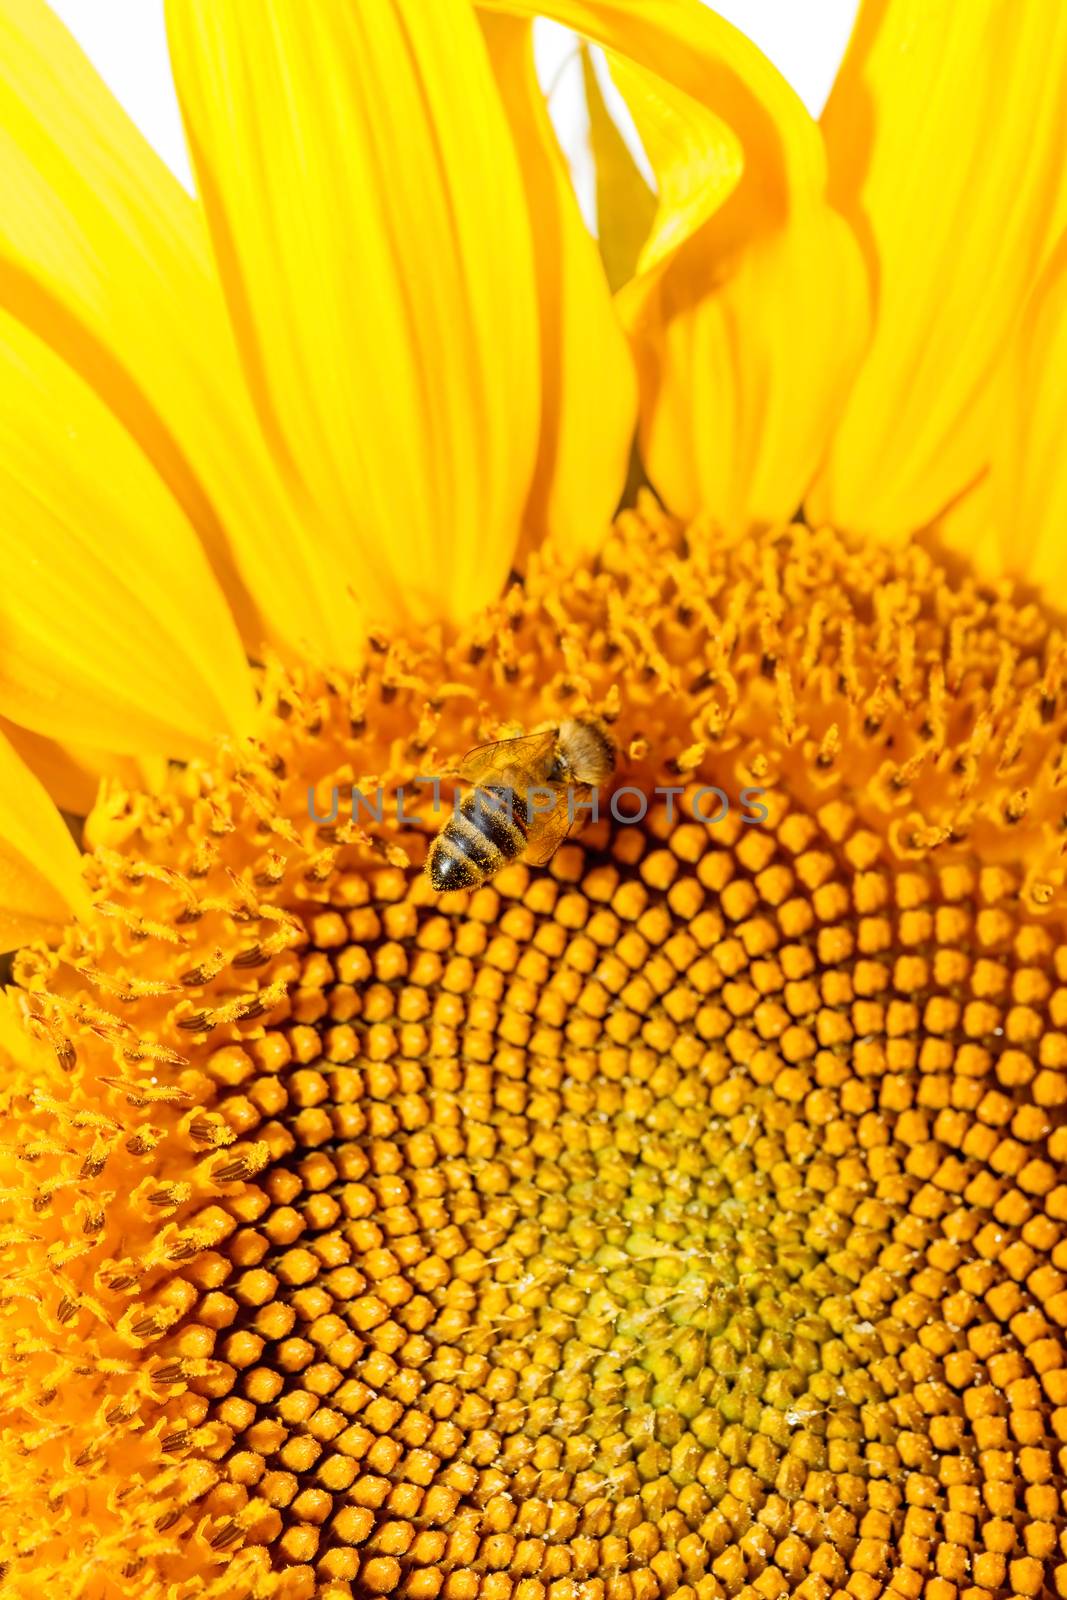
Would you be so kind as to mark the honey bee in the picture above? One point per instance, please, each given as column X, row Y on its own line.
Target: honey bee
column 524, row 803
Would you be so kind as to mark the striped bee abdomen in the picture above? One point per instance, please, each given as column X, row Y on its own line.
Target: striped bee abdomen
column 489, row 828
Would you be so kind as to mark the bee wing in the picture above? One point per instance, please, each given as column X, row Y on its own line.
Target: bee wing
column 501, row 756
column 547, row 830
column 560, row 826
column 583, row 815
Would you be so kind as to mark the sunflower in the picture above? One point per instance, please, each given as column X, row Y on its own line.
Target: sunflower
column 686, row 1217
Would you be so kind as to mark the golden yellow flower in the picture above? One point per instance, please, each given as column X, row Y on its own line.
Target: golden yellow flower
column 686, row 1217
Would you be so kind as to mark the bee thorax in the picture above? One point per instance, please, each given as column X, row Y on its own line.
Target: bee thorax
column 586, row 752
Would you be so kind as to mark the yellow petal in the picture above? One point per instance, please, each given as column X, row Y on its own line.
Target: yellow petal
column 106, row 257
column 589, row 387
column 1029, row 477
column 747, row 342
column 70, row 773
column 744, row 380
column 625, row 205
column 113, row 631
column 967, row 530
column 368, row 217
column 748, row 331
column 19, row 1047
column 696, row 157
column 40, row 873
column 945, row 132
column 688, row 47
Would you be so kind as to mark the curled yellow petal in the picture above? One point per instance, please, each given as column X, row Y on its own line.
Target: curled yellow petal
column 945, row 134
column 748, row 313
column 747, row 342
column 368, row 217
column 40, row 873
column 625, row 205
column 688, row 47
column 589, row 387
column 697, row 159
column 113, row 631
column 660, row 58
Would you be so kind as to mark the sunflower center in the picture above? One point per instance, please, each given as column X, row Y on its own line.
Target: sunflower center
column 643, row 1217
column 686, row 1217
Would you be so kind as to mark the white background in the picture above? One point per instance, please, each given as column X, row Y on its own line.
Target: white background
column 125, row 40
